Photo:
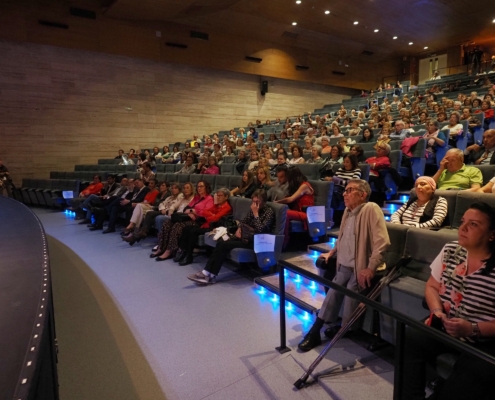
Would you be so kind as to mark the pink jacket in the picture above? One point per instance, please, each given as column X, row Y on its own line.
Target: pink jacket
column 200, row 205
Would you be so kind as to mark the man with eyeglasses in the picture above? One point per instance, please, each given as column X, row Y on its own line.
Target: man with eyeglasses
column 360, row 248
column 260, row 218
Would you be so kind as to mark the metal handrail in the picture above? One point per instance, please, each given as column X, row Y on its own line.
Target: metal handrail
column 401, row 320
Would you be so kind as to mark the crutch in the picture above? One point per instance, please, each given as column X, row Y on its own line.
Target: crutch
column 375, row 292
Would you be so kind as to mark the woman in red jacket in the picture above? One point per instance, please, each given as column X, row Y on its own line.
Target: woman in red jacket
column 487, row 109
column 191, row 233
column 301, row 196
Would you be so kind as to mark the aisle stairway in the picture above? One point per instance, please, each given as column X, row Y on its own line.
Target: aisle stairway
column 304, row 295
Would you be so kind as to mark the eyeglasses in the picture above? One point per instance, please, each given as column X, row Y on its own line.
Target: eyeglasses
column 351, row 189
column 200, row 186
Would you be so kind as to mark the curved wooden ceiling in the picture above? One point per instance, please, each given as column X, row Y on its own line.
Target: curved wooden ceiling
column 438, row 24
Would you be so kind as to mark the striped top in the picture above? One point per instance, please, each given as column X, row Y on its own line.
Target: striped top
column 470, row 297
column 411, row 215
column 347, row 175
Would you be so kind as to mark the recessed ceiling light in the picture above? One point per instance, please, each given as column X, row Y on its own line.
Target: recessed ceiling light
column 410, row 43
column 395, row 37
column 493, row 21
column 426, row 47
column 298, row 2
column 355, row 22
column 327, row 12
column 294, row 23
column 376, row 30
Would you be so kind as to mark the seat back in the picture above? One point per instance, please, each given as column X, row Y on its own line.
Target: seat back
column 311, row 171
column 397, row 234
column 323, row 191
column 227, row 168
column 464, row 200
column 169, row 168
column 222, row 181
column 424, row 246
column 488, row 172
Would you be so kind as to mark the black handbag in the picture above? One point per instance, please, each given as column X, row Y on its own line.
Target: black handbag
column 247, row 233
column 180, row 217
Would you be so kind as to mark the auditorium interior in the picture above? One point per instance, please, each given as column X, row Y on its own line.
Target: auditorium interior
column 99, row 92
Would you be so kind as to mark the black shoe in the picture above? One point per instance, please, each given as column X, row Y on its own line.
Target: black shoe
column 96, row 228
column 180, row 256
column 186, row 261
column 91, row 225
column 108, row 230
column 162, row 259
column 153, row 255
column 332, row 331
column 310, row 341
column 85, row 221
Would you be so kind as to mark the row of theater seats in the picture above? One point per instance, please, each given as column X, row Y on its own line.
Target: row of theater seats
column 240, row 208
column 45, row 192
column 48, row 192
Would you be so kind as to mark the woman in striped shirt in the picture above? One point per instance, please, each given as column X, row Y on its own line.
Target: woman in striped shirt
column 460, row 294
column 425, row 210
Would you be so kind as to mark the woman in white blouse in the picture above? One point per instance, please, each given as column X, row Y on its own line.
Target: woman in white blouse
column 455, row 128
column 489, row 187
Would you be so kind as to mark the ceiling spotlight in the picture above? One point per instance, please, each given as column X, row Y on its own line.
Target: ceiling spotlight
column 426, row 47
column 355, row 22
column 395, row 37
column 410, row 43
column 327, row 12
column 298, row 2
column 493, row 21
column 376, row 30
column 294, row 23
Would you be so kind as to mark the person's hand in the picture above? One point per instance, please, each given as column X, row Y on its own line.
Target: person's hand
column 163, row 212
column 255, row 208
column 457, row 327
column 124, row 202
column 238, row 233
column 192, row 216
column 443, row 164
column 365, row 277
column 474, row 147
column 327, row 256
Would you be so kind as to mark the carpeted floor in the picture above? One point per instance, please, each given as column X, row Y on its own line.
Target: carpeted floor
column 131, row 328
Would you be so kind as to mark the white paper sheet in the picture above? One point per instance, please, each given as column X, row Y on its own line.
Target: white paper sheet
column 264, row 243
column 316, row 214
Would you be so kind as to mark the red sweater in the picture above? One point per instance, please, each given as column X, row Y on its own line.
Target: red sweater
column 216, row 212
column 92, row 189
column 380, row 163
column 151, row 196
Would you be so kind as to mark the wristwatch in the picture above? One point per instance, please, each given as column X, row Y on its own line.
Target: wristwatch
column 475, row 333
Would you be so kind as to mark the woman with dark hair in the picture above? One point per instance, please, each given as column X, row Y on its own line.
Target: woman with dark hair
column 486, row 109
column 213, row 168
column 300, row 196
column 455, row 128
column 335, row 158
column 358, row 151
column 168, row 239
column 367, row 136
column 248, row 186
column 297, row 155
column 460, row 294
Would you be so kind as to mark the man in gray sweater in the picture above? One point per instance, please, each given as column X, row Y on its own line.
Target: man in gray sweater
column 360, row 248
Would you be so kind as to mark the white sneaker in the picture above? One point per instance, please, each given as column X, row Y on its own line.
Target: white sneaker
column 201, row 279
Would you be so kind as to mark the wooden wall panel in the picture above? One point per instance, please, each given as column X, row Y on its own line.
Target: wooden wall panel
column 60, row 107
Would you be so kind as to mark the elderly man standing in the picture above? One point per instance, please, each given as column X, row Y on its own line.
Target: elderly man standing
column 360, row 249
column 454, row 174
column 482, row 155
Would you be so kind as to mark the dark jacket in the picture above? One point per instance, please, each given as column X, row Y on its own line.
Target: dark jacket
column 473, row 156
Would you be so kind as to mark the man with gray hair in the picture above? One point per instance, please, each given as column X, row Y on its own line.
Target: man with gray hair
column 360, row 249
column 400, row 132
column 454, row 174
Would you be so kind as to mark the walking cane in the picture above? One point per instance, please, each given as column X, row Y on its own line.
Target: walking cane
column 392, row 275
